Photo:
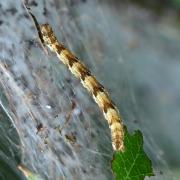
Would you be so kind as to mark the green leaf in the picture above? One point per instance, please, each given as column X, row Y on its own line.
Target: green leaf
column 133, row 163
column 33, row 177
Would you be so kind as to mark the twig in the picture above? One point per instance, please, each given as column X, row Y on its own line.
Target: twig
column 36, row 24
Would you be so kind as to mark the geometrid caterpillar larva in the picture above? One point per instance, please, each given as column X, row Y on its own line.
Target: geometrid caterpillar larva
column 100, row 95
column 98, row 92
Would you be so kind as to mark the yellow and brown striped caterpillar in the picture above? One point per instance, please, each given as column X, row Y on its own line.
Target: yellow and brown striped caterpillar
column 98, row 92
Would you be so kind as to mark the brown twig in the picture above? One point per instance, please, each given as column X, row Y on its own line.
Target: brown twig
column 36, row 24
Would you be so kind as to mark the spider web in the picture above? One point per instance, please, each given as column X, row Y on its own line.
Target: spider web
column 38, row 91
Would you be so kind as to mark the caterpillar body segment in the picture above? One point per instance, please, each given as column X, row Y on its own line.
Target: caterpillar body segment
column 97, row 91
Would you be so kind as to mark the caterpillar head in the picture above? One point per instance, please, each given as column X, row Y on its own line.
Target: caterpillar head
column 46, row 29
column 47, row 34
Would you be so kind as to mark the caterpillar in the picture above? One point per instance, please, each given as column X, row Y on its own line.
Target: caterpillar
column 89, row 81
column 100, row 95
